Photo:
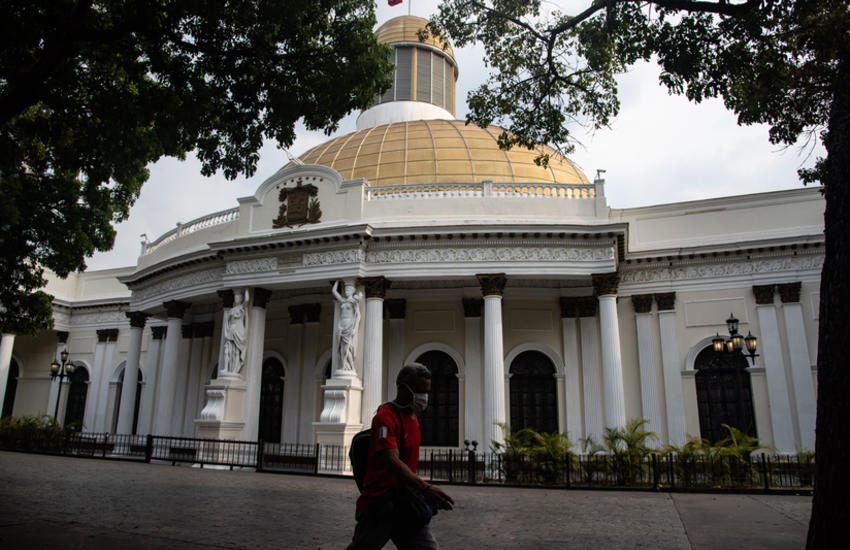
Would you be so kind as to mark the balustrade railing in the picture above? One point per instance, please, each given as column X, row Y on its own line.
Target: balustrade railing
column 210, row 220
column 485, row 189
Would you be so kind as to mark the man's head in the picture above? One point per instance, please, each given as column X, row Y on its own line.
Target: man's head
column 413, row 378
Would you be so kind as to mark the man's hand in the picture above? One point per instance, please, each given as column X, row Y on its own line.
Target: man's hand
column 437, row 498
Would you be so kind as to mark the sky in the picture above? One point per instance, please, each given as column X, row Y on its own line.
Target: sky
column 659, row 149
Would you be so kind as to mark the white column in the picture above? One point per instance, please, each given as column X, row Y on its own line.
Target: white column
column 612, row 363
column 649, row 361
column 591, row 371
column 292, row 384
column 181, row 385
column 396, row 310
column 253, row 369
column 201, row 335
column 168, row 372
column 671, row 365
column 147, row 410
column 308, row 368
column 801, row 370
column 774, row 365
column 94, row 386
column 7, row 342
column 102, row 374
column 572, row 377
column 494, row 360
column 373, row 348
column 54, row 384
column 131, row 372
column 473, row 420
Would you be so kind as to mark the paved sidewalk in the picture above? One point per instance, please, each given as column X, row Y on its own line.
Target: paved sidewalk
column 58, row 502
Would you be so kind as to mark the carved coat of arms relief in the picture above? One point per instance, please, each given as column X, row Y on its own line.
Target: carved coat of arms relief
column 299, row 205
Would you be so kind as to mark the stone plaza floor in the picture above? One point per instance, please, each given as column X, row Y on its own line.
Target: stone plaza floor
column 51, row 502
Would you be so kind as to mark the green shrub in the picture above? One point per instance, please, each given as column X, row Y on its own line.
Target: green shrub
column 30, row 433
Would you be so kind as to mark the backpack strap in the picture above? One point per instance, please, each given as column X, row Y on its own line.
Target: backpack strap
column 401, row 447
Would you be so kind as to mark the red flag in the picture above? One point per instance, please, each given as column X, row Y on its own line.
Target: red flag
column 394, row 2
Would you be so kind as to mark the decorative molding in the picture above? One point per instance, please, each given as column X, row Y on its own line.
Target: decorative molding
column 395, row 308
column 137, row 318
column 226, row 297
column 666, row 301
column 721, row 270
column 376, row 287
column 764, row 294
column 214, row 409
column 472, row 307
column 257, row 265
column 789, row 293
column 492, row 284
column 107, row 335
column 490, row 254
column 587, row 306
column 605, row 284
column 176, row 309
column 187, row 280
column 261, row 296
column 642, row 303
column 113, row 317
column 334, row 257
column 159, row 332
column 62, row 336
column 299, row 205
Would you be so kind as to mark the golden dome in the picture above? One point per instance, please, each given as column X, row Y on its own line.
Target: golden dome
column 405, row 29
column 437, row 151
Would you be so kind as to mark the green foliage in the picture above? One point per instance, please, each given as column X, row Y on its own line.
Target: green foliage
column 530, row 455
column 92, row 92
column 30, row 433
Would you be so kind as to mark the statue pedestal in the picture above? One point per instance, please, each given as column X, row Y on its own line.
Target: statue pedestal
column 340, row 418
column 222, row 416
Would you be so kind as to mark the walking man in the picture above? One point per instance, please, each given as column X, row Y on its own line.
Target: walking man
column 393, row 497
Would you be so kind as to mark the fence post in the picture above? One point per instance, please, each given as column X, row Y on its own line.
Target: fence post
column 655, row 471
column 670, row 470
column 451, row 465
column 148, row 448
column 569, row 468
column 261, row 450
column 764, row 472
column 470, row 456
column 316, row 462
column 105, row 443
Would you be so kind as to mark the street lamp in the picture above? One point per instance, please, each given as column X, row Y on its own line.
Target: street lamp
column 736, row 343
column 62, row 370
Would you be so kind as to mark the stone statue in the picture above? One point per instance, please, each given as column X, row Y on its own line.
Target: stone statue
column 235, row 327
column 346, row 326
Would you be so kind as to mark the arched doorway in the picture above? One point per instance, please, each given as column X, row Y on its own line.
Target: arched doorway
column 439, row 424
column 724, row 394
column 271, row 401
column 78, row 389
column 11, row 389
column 118, row 401
column 533, row 393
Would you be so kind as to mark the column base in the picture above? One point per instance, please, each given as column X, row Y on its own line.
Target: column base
column 223, row 414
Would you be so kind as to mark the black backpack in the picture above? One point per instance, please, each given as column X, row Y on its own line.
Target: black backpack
column 358, row 453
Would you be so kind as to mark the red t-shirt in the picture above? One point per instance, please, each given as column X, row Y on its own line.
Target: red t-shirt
column 385, row 434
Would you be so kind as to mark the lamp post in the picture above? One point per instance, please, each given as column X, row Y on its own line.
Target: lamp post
column 736, row 343
column 62, row 370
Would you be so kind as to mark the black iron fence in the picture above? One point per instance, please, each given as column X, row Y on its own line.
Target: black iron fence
column 652, row 471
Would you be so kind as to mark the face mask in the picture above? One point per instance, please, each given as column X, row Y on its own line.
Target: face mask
column 420, row 400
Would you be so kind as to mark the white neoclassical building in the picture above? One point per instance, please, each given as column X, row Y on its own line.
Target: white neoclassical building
column 415, row 238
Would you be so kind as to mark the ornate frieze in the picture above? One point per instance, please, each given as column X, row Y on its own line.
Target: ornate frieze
column 490, row 254
column 137, row 318
column 261, row 297
column 629, row 275
column 605, row 284
column 333, row 257
column 176, row 309
column 395, row 308
column 376, row 287
column 472, row 307
column 101, row 318
column 492, row 284
column 666, row 301
column 256, row 265
column 642, row 303
column 789, row 293
column 764, row 294
column 187, row 280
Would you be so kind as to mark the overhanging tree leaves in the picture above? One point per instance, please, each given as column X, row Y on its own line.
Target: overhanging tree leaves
column 91, row 92
column 785, row 63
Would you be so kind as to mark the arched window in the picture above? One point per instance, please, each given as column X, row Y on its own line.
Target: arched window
column 533, row 393
column 724, row 394
column 135, row 405
column 271, row 401
column 439, row 424
column 11, row 388
column 78, row 389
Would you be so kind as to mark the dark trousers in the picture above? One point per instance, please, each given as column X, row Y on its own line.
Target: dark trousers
column 373, row 530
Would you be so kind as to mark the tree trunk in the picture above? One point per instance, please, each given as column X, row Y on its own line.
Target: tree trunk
column 830, row 510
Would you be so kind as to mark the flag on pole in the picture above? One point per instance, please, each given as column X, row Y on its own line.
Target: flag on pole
column 394, row 2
